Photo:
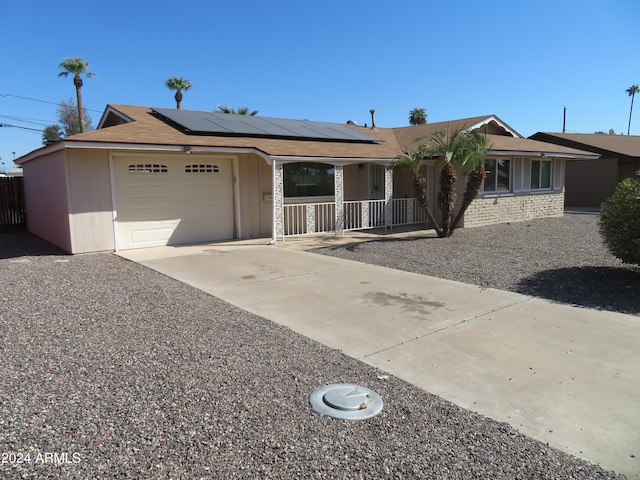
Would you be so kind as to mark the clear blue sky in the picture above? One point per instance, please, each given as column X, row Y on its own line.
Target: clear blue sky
column 522, row 60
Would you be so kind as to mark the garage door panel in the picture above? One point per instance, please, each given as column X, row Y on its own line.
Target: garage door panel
column 148, row 213
column 152, row 236
column 176, row 203
column 149, row 191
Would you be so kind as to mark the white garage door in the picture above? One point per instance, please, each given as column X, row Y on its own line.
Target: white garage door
column 170, row 201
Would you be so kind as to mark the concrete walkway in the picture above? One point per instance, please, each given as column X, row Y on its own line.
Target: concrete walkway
column 567, row 376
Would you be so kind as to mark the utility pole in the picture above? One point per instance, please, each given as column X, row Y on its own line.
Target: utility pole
column 564, row 120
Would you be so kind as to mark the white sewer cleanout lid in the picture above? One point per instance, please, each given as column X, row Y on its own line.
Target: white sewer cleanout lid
column 346, row 401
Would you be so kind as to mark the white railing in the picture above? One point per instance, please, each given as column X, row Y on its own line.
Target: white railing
column 308, row 218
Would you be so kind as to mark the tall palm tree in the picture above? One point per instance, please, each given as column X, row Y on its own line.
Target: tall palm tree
column 632, row 90
column 77, row 66
column 417, row 116
column 464, row 149
column 178, row 84
column 240, row 111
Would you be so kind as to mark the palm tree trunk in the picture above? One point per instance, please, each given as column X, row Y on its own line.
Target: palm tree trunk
column 419, row 185
column 630, row 112
column 178, row 97
column 447, row 197
column 474, row 182
column 77, row 81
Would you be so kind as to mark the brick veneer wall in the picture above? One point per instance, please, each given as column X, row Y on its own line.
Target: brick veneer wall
column 513, row 208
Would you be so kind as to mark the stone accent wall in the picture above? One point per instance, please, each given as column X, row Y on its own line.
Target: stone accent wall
column 278, row 200
column 388, row 195
column 338, row 180
column 513, row 208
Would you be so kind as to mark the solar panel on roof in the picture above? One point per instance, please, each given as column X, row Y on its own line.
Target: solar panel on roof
column 225, row 124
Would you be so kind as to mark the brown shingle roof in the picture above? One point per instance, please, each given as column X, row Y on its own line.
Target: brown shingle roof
column 609, row 145
column 147, row 129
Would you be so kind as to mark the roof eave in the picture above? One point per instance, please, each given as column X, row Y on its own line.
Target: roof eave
column 47, row 149
column 529, row 153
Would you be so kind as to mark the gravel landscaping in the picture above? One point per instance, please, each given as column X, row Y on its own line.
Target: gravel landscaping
column 111, row 370
column 561, row 259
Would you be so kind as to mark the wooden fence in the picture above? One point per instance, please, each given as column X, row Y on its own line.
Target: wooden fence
column 12, row 210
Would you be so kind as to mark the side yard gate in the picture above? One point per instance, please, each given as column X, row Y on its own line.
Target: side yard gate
column 12, row 209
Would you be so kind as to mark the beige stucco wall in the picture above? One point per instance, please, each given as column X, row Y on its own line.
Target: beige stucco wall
column 356, row 182
column 46, row 199
column 255, row 197
column 90, row 205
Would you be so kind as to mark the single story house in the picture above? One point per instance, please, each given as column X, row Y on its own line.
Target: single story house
column 152, row 176
column 589, row 182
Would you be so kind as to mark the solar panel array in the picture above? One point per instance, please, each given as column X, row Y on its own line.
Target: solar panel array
column 226, row 124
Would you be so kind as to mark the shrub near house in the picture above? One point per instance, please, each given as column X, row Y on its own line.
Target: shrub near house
column 620, row 220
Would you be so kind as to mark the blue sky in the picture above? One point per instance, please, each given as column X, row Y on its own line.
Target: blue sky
column 521, row 60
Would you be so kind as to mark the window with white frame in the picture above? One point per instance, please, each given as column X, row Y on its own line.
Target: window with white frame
column 305, row 179
column 541, row 174
column 498, row 177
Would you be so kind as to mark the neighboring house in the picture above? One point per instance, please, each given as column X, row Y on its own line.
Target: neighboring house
column 149, row 177
column 590, row 182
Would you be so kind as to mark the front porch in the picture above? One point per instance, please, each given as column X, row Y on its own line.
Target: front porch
column 309, row 215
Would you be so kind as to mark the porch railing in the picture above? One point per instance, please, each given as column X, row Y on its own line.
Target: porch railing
column 309, row 218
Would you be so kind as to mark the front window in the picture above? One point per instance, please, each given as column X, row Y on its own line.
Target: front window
column 540, row 174
column 308, row 179
column 498, row 177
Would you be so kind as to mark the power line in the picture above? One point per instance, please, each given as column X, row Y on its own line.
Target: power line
column 35, row 121
column 18, row 126
column 42, row 101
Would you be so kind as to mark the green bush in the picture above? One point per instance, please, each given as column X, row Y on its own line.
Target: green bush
column 620, row 220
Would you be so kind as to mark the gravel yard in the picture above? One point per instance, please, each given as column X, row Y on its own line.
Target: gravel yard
column 561, row 259
column 110, row 370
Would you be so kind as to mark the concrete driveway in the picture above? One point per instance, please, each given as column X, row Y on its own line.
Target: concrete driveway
column 567, row 376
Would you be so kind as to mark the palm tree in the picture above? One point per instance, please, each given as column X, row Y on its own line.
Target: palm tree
column 178, row 84
column 473, row 166
column 240, row 111
column 464, row 149
column 77, row 66
column 632, row 90
column 418, row 116
column 412, row 160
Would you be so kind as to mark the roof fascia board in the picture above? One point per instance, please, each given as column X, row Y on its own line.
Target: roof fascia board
column 331, row 160
column 54, row 147
column 523, row 153
column 165, row 148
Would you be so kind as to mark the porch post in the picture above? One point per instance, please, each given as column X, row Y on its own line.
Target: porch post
column 278, row 201
column 338, row 180
column 388, row 197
